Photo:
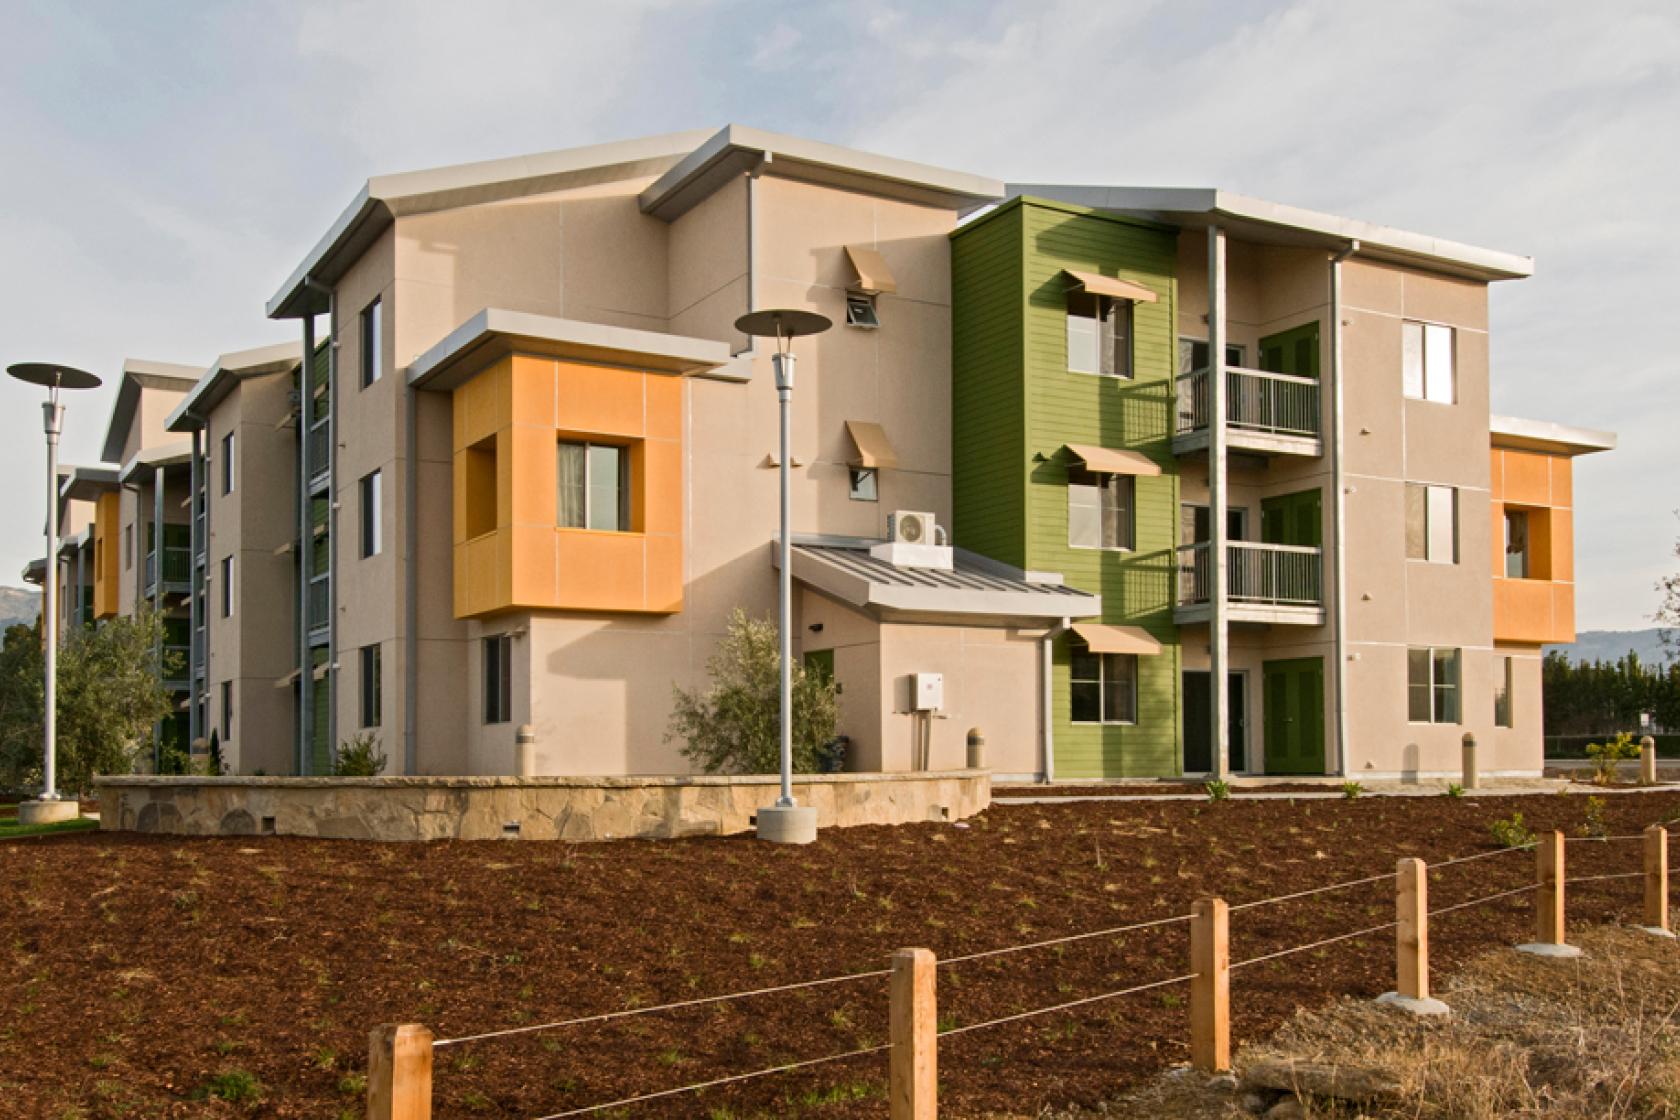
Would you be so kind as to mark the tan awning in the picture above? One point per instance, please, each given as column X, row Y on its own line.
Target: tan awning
column 289, row 679
column 1107, row 460
column 873, row 275
column 1099, row 285
column 873, row 450
column 1117, row 639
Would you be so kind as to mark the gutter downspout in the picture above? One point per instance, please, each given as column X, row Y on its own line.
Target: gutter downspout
column 1047, row 695
column 1338, row 479
column 411, row 587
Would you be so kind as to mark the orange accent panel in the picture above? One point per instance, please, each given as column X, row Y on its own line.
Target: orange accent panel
column 1527, row 479
column 601, row 571
column 533, row 475
column 1563, row 612
column 107, row 568
column 664, row 408
column 664, row 573
column 535, row 564
column 1496, row 471
column 602, row 400
column 1522, row 610
column 1498, row 541
column 1563, row 480
column 663, row 490
column 1560, row 543
column 532, row 388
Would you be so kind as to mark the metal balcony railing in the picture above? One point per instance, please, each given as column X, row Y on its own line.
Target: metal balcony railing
column 320, row 606
column 1281, row 575
column 318, row 450
column 177, row 565
column 1277, row 403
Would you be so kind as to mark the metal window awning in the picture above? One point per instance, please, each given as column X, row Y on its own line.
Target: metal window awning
column 873, row 448
column 1102, row 638
column 873, row 275
column 1100, row 285
column 1109, row 460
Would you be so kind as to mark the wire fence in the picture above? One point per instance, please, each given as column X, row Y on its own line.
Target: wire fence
column 1208, row 957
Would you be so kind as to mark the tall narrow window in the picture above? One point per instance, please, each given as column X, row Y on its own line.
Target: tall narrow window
column 227, row 587
column 1099, row 334
column 227, row 712
column 1432, row 685
column 373, row 358
column 1101, row 510
column 227, row 463
column 1102, row 686
column 372, row 686
column 1503, row 673
column 1516, row 544
column 594, row 487
column 1431, row 523
column 498, row 679
column 370, row 515
column 1428, row 362
column 128, row 548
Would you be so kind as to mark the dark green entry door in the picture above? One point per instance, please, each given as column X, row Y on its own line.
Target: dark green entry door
column 1198, row 721
column 1294, row 716
column 1292, row 351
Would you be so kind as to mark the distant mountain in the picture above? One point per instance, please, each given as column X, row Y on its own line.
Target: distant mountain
column 18, row 604
column 1608, row 645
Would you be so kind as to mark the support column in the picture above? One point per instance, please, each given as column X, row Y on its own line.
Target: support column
column 195, row 575
column 80, row 614
column 305, row 708
column 160, row 479
column 1218, row 500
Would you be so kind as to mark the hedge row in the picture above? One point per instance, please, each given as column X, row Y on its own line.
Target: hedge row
column 1575, row 746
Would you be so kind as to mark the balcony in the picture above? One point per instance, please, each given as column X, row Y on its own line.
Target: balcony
column 1264, row 583
column 1265, row 413
column 177, row 570
column 320, row 604
column 318, row 450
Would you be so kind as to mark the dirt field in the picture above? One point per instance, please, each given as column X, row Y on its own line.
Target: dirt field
column 158, row 977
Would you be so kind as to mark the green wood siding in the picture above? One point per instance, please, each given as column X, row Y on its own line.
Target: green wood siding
column 1016, row 391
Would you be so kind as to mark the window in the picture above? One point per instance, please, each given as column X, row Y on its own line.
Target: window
column 227, row 463
column 594, row 487
column 1193, row 355
column 865, row 486
column 1099, row 334
column 372, row 344
column 1432, row 681
column 1431, row 523
column 370, row 515
column 1103, row 686
column 227, row 587
column 227, row 712
column 1503, row 673
column 1195, row 526
column 371, row 685
column 1427, row 362
column 498, row 679
column 860, row 311
column 1100, row 509
column 128, row 547
column 1516, row 544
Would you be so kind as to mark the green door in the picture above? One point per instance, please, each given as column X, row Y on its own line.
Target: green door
column 1292, row 351
column 1294, row 723
column 1296, row 519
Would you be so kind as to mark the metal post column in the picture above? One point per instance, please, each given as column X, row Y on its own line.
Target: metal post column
column 1218, row 499
column 52, row 416
column 195, row 619
column 784, row 368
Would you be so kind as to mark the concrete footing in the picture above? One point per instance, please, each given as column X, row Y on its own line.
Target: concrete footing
column 787, row 824
column 1413, row 1006
column 1547, row 949
column 1655, row 931
column 48, row 812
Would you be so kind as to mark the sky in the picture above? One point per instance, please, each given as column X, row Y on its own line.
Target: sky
column 164, row 167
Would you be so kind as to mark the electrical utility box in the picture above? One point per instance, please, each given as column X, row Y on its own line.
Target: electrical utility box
column 927, row 692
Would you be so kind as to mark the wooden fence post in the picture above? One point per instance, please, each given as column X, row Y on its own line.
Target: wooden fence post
column 399, row 1077
column 913, row 1060
column 1411, row 941
column 1210, row 987
column 1548, row 900
column 1656, row 879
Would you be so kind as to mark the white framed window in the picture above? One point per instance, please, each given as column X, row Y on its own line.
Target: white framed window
column 1429, row 362
column 373, row 344
column 1101, row 510
column 1432, row 685
column 227, row 463
column 1504, row 673
column 594, row 489
column 1099, row 334
column 1102, row 687
column 370, row 516
column 865, row 484
column 227, row 587
column 498, row 679
column 1431, row 523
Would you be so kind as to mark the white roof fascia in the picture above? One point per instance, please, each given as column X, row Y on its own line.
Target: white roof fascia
column 1176, row 204
column 1545, row 435
column 166, row 455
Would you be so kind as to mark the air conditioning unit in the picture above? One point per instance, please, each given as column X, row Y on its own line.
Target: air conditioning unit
column 914, row 540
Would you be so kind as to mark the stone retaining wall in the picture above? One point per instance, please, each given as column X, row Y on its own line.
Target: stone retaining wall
column 485, row 808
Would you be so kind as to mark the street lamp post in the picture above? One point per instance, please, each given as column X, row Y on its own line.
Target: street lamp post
column 49, row 807
column 786, row 821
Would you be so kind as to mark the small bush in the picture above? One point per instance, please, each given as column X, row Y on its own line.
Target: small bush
column 1595, row 825
column 1352, row 790
column 1218, row 790
column 1512, row 832
column 360, row 757
column 1454, row 790
column 232, row 1085
column 1608, row 756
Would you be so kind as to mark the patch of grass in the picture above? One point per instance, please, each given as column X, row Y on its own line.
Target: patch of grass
column 1454, row 790
column 1218, row 790
column 9, row 827
column 234, row 1085
column 1352, row 790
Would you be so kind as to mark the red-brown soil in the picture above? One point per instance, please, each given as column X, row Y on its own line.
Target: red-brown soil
column 1189, row 788
column 136, row 969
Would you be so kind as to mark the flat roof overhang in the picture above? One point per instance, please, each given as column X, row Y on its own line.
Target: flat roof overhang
column 165, row 455
column 495, row 333
column 1543, row 435
column 218, row 381
column 85, row 484
column 737, row 150
column 1255, row 219
column 138, row 374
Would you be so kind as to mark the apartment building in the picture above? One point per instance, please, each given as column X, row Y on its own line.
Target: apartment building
column 1067, row 456
column 1263, row 434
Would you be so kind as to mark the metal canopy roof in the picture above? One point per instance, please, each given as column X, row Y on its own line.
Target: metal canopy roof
column 218, row 381
column 1544, row 435
column 977, row 587
column 138, row 374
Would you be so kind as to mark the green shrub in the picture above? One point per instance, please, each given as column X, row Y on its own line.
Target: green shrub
column 1352, row 790
column 1218, row 790
column 1595, row 824
column 360, row 757
column 1454, row 790
column 1512, row 832
column 1608, row 756
column 233, row 1085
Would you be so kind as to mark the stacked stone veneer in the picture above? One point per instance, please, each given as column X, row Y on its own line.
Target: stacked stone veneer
column 485, row 808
